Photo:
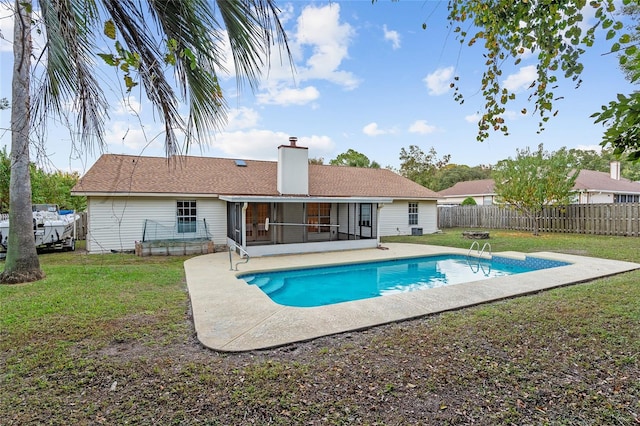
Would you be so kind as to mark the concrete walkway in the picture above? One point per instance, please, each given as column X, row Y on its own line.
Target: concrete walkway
column 231, row 315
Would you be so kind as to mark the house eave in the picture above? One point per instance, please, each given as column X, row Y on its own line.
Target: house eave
column 608, row 191
column 417, row 198
column 480, row 194
column 302, row 199
column 142, row 194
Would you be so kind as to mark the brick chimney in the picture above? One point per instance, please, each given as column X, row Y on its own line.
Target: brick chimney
column 293, row 169
column 614, row 170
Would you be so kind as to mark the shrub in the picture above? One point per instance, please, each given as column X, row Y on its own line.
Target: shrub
column 469, row 201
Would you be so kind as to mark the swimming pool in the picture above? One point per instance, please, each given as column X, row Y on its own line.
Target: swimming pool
column 319, row 286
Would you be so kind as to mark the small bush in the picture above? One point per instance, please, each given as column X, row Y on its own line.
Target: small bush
column 469, row 201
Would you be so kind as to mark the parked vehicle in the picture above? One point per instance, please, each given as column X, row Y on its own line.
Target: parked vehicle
column 52, row 228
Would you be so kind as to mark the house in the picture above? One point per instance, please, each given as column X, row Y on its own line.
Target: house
column 264, row 207
column 591, row 187
column 481, row 190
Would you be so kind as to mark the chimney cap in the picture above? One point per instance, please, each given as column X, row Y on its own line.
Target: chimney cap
column 293, row 140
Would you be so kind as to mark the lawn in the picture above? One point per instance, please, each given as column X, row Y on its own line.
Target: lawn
column 109, row 340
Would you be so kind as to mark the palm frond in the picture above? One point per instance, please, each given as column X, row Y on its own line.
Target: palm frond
column 253, row 28
column 192, row 31
column 183, row 49
column 69, row 78
column 132, row 26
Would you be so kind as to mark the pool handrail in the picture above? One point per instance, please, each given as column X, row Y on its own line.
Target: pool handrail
column 479, row 251
column 242, row 251
column 479, row 266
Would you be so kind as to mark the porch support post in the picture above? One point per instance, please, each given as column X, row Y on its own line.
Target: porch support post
column 349, row 222
column 243, row 227
column 378, row 208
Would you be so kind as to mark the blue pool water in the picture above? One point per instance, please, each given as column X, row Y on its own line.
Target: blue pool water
column 334, row 284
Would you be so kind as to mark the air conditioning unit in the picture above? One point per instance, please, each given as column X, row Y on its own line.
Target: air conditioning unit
column 416, row 231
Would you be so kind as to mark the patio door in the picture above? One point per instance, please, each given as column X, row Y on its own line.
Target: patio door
column 256, row 215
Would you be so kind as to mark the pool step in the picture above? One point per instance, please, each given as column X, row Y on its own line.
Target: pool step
column 272, row 285
column 258, row 281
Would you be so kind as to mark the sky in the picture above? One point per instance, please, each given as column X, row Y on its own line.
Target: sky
column 367, row 77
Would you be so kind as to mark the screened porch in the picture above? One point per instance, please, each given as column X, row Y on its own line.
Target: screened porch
column 271, row 227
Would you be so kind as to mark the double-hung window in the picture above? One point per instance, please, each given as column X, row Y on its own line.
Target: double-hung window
column 186, row 215
column 413, row 213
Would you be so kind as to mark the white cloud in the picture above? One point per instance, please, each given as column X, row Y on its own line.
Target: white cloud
column 263, row 144
column 320, row 29
column 473, row 118
column 288, row 96
column 372, row 129
column 135, row 138
column 242, row 118
column 438, row 82
column 421, row 127
column 228, row 68
column 129, row 105
column 392, row 36
column 522, row 79
column 512, row 115
column 286, row 13
column 319, row 44
column 7, row 27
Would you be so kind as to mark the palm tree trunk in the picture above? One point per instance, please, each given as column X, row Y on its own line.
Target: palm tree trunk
column 22, row 263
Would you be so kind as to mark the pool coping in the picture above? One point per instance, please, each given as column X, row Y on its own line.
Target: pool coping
column 232, row 316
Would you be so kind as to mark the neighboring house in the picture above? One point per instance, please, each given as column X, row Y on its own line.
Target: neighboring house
column 265, row 207
column 482, row 191
column 591, row 187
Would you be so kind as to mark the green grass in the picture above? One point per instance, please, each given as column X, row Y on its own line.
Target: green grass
column 608, row 247
column 108, row 339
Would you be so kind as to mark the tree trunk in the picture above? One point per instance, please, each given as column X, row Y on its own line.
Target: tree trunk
column 22, row 263
column 536, row 226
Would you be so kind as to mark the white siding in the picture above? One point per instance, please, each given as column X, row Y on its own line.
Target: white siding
column 600, row 198
column 394, row 218
column 116, row 223
column 479, row 199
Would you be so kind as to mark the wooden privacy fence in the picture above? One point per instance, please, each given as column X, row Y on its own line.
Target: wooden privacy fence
column 598, row 219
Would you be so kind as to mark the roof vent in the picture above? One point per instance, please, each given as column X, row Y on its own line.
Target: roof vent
column 241, row 163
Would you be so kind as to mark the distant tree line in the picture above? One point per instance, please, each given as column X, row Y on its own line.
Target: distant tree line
column 438, row 174
column 46, row 187
column 424, row 168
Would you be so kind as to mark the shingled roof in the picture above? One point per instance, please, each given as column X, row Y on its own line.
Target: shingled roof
column 125, row 175
column 587, row 180
column 591, row 180
column 470, row 188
